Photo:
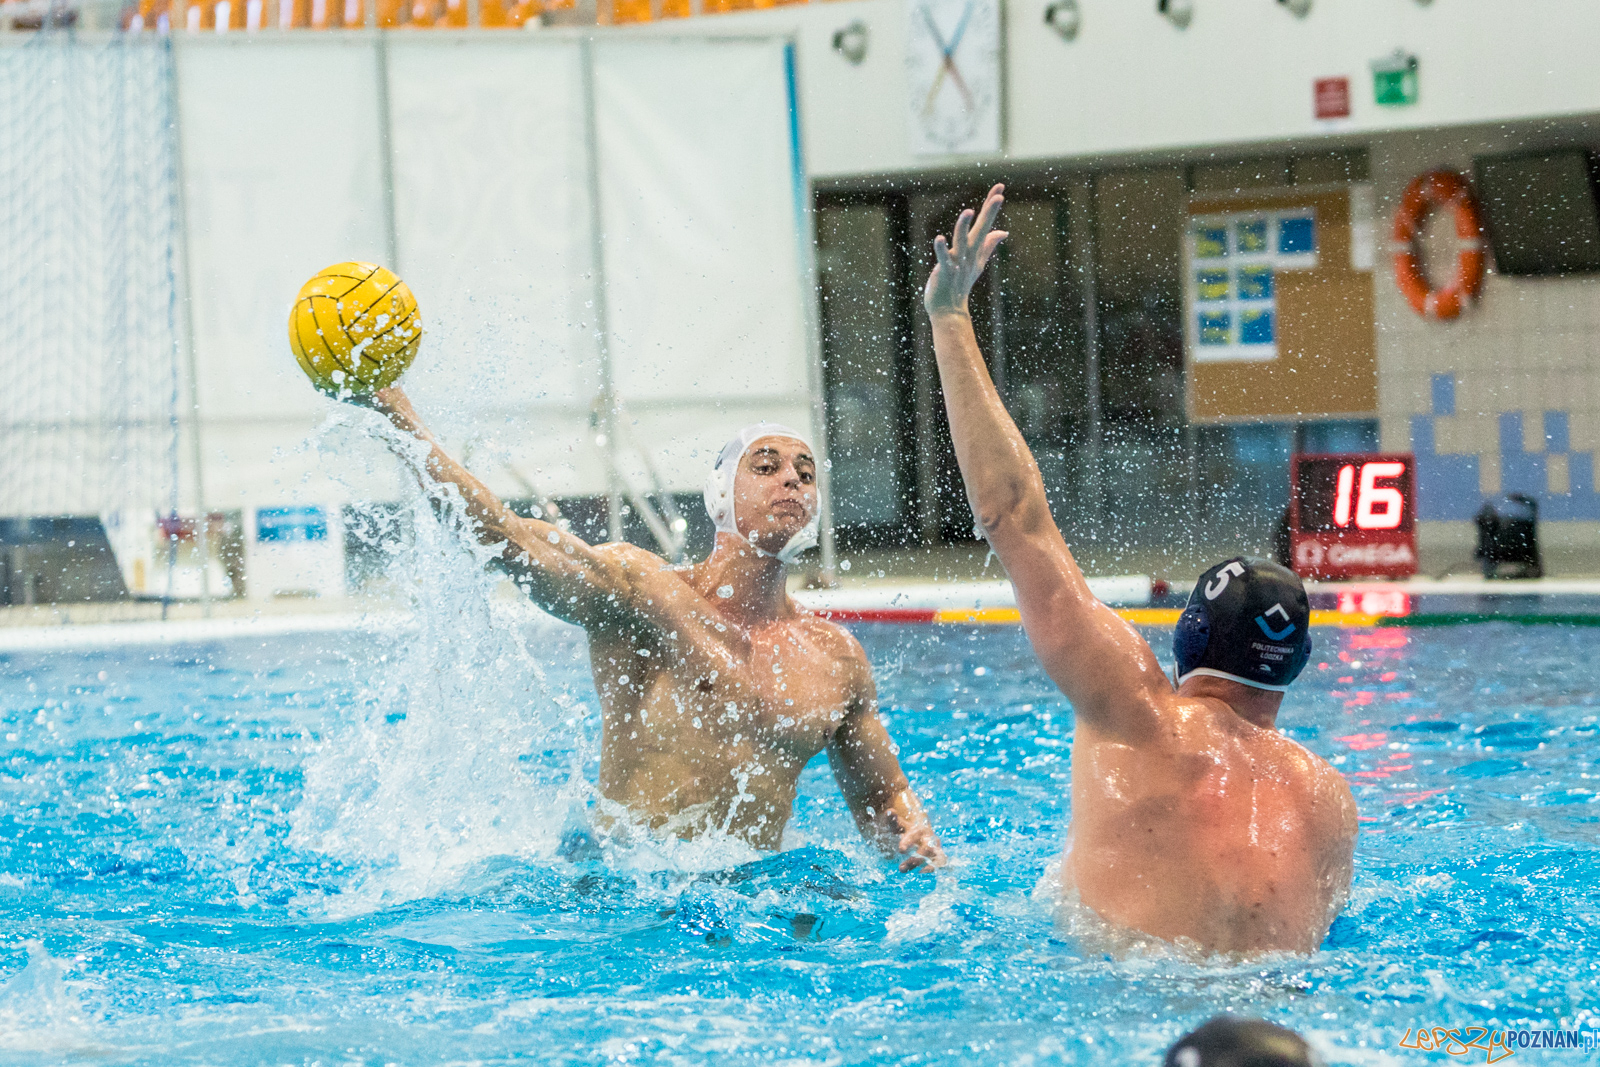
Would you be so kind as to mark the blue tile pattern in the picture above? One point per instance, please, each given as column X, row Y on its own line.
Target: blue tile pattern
column 1444, row 394
column 1447, row 485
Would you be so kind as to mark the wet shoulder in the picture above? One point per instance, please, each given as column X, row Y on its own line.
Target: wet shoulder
column 651, row 575
column 1194, row 724
column 632, row 558
column 833, row 641
column 829, row 635
column 1322, row 790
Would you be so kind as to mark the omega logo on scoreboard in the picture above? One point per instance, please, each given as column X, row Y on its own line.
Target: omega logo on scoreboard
column 1353, row 515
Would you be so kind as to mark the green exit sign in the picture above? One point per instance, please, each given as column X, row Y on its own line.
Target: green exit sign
column 1394, row 80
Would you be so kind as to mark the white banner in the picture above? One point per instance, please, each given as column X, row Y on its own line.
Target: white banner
column 698, row 187
column 281, row 145
column 491, row 230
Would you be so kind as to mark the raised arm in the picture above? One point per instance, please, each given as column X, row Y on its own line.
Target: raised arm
column 864, row 763
column 564, row 575
column 1103, row 666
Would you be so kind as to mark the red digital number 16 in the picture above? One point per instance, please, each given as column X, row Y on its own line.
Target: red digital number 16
column 1378, row 507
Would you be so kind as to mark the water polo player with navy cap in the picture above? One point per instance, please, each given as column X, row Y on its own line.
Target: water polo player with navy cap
column 1227, row 1041
column 715, row 692
column 1193, row 819
column 1247, row 620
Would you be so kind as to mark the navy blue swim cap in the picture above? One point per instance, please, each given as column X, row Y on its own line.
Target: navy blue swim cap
column 1226, row 1041
column 1247, row 620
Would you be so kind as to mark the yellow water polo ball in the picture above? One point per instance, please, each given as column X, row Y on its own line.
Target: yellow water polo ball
column 354, row 328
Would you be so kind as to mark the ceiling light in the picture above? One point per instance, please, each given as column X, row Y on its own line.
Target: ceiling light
column 851, row 42
column 1064, row 17
column 1178, row 12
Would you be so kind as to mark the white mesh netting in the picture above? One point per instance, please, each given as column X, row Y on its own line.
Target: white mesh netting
column 88, row 225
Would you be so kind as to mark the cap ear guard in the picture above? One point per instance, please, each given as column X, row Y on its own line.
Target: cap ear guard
column 1190, row 638
column 719, row 500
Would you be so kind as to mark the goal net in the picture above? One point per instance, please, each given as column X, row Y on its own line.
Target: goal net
column 88, row 224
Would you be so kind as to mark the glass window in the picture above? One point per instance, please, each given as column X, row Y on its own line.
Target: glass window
column 860, row 354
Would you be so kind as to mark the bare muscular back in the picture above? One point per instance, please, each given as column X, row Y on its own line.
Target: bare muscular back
column 1193, row 818
column 1214, row 830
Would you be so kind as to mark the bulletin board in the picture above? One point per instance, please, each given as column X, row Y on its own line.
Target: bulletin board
column 1278, row 308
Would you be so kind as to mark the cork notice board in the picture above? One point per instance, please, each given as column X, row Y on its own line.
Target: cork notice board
column 1278, row 318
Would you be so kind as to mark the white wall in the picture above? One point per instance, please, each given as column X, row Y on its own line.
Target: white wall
column 285, row 175
column 1242, row 72
column 703, row 259
column 281, row 154
column 491, row 213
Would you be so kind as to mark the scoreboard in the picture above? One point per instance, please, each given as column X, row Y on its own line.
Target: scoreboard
column 1353, row 515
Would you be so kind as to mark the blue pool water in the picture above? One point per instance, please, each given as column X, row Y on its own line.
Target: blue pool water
column 340, row 848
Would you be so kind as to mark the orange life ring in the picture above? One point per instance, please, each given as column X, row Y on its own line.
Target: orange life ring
column 1440, row 188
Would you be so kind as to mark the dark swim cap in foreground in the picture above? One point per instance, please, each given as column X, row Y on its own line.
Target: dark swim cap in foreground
column 1229, row 1042
column 1247, row 620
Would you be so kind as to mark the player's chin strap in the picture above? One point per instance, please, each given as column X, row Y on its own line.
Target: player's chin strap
column 804, row 539
column 719, row 505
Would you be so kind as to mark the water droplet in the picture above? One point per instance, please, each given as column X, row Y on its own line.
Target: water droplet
column 697, row 722
column 724, row 591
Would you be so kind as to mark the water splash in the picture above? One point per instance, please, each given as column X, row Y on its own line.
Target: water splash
column 40, row 1013
column 933, row 915
column 456, row 748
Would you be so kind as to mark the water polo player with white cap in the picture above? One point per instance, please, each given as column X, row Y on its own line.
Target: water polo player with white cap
column 715, row 691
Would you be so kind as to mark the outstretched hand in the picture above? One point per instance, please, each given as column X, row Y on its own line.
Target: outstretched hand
column 959, row 261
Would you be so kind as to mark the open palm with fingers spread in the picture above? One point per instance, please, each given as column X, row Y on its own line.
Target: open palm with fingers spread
column 961, row 260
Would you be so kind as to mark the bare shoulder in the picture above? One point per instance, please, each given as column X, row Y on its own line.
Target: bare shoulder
column 831, row 636
column 632, row 558
column 1335, row 789
column 1326, row 787
column 647, row 574
column 836, row 643
column 1173, row 722
column 652, row 592
column 1318, row 770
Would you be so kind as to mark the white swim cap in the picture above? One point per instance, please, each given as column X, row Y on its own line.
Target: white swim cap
column 719, row 488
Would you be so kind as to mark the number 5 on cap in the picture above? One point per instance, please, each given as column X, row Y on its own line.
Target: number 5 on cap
column 1215, row 587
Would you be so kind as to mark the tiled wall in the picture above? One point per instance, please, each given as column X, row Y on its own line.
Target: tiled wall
column 1534, row 457
column 1505, row 398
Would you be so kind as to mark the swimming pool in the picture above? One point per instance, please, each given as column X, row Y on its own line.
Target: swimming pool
column 339, row 848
